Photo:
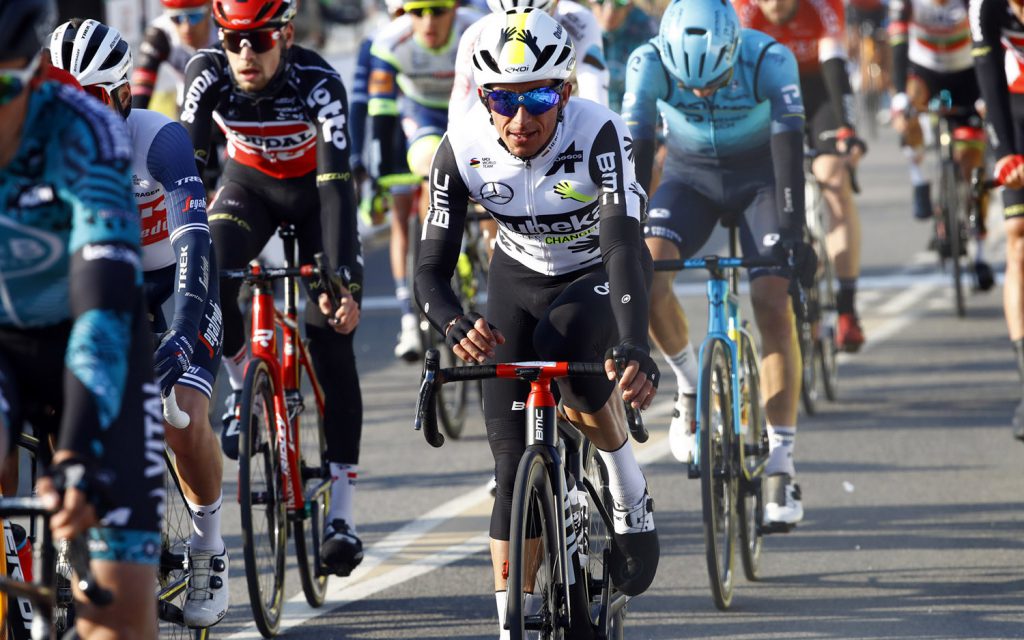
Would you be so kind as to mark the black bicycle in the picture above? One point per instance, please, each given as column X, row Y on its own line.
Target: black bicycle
column 552, row 552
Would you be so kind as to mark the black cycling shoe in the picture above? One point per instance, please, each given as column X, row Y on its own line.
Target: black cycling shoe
column 1018, row 422
column 635, row 548
column 923, row 201
column 984, row 276
column 341, row 550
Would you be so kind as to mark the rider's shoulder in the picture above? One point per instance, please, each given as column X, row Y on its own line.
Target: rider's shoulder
column 579, row 20
column 311, row 66
column 394, row 33
column 756, row 44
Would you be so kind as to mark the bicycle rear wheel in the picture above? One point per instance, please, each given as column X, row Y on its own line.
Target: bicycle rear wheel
column 751, row 454
column 805, row 328
column 718, row 481
column 955, row 232
column 826, row 351
column 452, row 398
column 264, row 519
column 533, row 561
column 316, row 486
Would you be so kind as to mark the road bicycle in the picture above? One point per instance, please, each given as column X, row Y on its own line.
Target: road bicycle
column 558, row 549
column 282, row 476
column 817, row 319
column 732, row 436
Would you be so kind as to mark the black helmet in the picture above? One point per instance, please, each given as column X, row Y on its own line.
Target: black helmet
column 24, row 27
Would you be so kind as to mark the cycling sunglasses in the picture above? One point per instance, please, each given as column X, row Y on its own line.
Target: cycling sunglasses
column 192, row 16
column 617, row 3
column 260, row 40
column 536, row 101
column 435, row 12
column 14, row 81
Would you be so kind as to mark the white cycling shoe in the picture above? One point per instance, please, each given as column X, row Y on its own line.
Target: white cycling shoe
column 782, row 500
column 207, row 600
column 682, row 430
column 408, row 347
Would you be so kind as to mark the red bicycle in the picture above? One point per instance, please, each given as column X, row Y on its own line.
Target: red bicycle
column 282, row 476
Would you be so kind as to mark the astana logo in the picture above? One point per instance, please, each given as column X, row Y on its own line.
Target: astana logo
column 567, row 192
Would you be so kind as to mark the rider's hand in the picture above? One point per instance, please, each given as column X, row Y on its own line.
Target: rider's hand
column 848, row 144
column 801, row 258
column 472, row 338
column 75, row 492
column 171, row 359
column 1009, row 171
column 345, row 318
column 639, row 381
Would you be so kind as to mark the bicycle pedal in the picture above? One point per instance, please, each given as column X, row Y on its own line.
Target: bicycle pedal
column 768, row 528
column 170, row 613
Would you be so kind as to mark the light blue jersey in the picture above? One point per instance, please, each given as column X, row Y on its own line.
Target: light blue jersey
column 762, row 98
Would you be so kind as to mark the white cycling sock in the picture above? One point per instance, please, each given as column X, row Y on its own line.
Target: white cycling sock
column 781, row 441
column 343, row 488
column 206, row 526
column 916, row 175
column 236, row 369
column 625, row 480
column 684, row 365
column 501, row 600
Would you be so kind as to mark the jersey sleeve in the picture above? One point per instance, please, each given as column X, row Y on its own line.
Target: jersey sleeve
column 986, row 29
column 900, row 16
column 833, row 24
column 105, row 272
column 204, row 80
column 383, row 108
column 442, row 239
column 358, row 103
column 646, row 82
column 170, row 161
column 623, row 206
column 154, row 51
column 327, row 108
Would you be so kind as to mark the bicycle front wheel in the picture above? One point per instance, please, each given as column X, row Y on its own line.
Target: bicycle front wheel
column 316, row 485
column 264, row 519
column 750, row 458
column 535, row 601
column 826, row 351
column 452, row 398
column 955, row 232
column 718, row 478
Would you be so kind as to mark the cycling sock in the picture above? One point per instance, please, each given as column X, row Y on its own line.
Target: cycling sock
column 343, row 488
column 847, row 295
column 684, row 365
column 916, row 175
column 625, row 480
column 1018, row 347
column 236, row 369
column 781, row 441
column 501, row 600
column 206, row 526
column 403, row 297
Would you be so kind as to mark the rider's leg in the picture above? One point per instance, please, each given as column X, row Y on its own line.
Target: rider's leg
column 131, row 615
column 197, row 458
column 913, row 139
column 1013, row 293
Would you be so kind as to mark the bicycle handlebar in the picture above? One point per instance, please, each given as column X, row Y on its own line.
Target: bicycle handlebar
column 433, row 375
column 715, row 263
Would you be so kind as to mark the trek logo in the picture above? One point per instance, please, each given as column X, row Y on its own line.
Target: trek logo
column 566, row 161
column 182, row 268
column 188, row 179
column 439, row 203
column 194, row 204
column 195, row 93
column 497, row 192
column 331, row 115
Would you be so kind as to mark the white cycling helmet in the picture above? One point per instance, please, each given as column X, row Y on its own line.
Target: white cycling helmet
column 506, row 6
column 522, row 47
column 95, row 54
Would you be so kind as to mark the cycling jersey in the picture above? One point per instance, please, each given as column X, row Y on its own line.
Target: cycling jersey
column 637, row 29
column 69, row 290
column 998, row 50
column 551, row 209
column 294, row 127
column 161, row 43
column 590, row 77
column 929, row 34
column 815, row 21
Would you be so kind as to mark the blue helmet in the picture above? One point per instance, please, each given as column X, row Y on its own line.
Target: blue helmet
column 698, row 40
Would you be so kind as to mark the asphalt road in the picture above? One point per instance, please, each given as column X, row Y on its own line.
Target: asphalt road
column 912, row 485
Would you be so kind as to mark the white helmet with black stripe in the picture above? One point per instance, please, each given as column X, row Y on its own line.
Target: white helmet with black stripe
column 95, row 54
column 522, row 47
column 506, row 6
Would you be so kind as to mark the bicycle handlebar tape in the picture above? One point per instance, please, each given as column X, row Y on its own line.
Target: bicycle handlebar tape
column 636, row 422
column 426, row 408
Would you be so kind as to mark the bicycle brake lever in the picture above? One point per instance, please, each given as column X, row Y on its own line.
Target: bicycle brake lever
column 633, row 417
column 426, row 406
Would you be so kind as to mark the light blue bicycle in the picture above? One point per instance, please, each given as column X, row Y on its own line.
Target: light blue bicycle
column 731, row 430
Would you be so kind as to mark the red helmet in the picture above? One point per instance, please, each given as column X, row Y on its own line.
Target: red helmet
column 184, row 4
column 243, row 15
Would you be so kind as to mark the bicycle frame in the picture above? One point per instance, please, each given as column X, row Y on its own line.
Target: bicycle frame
column 285, row 370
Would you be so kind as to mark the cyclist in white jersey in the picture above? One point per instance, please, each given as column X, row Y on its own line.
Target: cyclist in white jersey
column 591, row 76
column 176, row 260
column 570, row 264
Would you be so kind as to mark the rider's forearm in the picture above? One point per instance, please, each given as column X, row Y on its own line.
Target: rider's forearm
column 840, row 95
column 992, row 82
column 622, row 250
column 788, row 161
column 900, row 65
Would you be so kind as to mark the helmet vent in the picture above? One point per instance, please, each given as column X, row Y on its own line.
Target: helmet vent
column 566, row 51
column 686, row 62
column 489, row 60
column 544, row 55
column 700, row 68
column 721, row 55
column 695, row 31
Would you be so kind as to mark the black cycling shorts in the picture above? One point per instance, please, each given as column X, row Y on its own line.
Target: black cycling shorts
column 962, row 87
column 1013, row 199
column 822, row 121
column 551, row 318
column 31, row 390
column 699, row 192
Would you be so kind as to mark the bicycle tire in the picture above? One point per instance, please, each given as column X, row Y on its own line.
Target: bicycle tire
column 808, row 363
column 752, row 450
column 453, row 397
column 954, row 232
column 308, row 527
column 534, row 539
column 597, row 544
column 718, row 481
column 264, row 519
column 826, row 350
column 172, row 575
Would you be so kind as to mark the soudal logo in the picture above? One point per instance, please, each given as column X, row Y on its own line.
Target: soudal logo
column 202, row 82
column 272, row 143
column 558, row 223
